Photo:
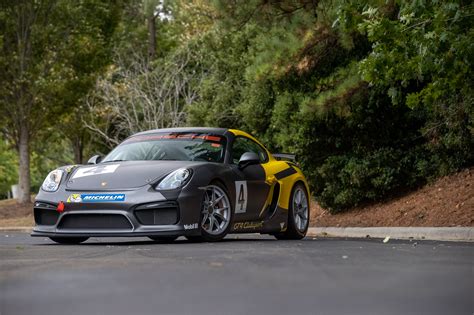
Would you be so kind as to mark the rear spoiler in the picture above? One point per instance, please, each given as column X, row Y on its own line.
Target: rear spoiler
column 284, row 156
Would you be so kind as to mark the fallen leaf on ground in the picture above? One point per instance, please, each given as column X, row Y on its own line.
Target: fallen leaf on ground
column 216, row 264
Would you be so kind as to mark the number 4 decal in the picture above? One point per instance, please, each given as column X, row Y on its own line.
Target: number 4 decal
column 241, row 196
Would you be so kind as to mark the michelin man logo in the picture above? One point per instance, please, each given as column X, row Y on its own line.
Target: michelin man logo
column 74, row 198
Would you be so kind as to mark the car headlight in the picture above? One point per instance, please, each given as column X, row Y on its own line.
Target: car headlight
column 175, row 179
column 51, row 183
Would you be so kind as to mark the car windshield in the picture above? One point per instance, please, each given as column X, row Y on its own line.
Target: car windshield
column 170, row 146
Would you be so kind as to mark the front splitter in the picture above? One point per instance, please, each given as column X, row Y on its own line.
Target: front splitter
column 109, row 233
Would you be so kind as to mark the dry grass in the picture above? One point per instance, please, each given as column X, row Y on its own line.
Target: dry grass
column 27, row 221
column 13, row 215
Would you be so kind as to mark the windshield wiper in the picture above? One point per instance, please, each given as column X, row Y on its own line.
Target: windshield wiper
column 114, row 161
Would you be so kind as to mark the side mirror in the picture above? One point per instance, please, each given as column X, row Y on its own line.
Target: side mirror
column 248, row 158
column 95, row 159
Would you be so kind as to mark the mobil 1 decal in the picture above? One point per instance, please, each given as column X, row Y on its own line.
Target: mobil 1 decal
column 241, row 196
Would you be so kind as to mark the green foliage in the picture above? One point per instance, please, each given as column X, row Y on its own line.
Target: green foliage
column 345, row 181
column 45, row 158
column 374, row 97
column 8, row 168
column 52, row 53
column 221, row 58
column 424, row 59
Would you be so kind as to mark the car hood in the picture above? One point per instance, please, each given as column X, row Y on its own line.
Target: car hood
column 122, row 175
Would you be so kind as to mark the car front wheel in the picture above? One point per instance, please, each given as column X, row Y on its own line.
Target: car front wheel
column 216, row 214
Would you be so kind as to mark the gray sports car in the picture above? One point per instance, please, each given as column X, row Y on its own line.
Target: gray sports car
column 201, row 183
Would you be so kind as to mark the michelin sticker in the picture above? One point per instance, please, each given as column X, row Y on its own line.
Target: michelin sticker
column 74, row 198
column 95, row 170
column 241, row 196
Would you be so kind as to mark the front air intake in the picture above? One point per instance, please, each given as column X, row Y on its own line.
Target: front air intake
column 164, row 213
column 94, row 221
column 46, row 217
column 45, row 213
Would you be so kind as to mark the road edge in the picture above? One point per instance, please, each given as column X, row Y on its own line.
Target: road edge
column 26, row 229
column 418, row 233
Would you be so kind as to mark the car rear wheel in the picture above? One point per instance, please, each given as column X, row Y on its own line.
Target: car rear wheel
column 163, row 239
column 216, row 214
column 69, row 240
column 298, row 215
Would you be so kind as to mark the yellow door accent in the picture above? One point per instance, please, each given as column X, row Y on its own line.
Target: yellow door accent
column 273, row 166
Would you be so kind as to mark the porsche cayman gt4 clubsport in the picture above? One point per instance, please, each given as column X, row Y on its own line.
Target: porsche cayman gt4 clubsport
column 201, row 183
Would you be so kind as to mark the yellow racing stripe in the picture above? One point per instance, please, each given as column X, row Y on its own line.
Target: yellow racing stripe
column 273, row 167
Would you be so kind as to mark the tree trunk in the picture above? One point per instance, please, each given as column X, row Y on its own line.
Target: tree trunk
column 78, row 150
column 151, row 21
column 24, row 168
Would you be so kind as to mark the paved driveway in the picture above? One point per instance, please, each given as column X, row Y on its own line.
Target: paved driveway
column 251, row 274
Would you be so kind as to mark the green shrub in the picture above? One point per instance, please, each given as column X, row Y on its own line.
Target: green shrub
column 374, row 97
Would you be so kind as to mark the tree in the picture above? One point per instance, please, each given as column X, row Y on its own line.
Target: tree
column 87, row 55
column 42, row 44
column 374, row 96
column 8, row 168
column 26, row 64
column 133, row 97
column 153, row 79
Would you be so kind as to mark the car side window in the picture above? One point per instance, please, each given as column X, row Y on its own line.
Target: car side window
column 242, row 145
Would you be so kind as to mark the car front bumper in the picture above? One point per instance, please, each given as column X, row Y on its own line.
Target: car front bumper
column 145, row 213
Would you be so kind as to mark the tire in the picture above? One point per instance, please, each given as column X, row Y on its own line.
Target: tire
column 69, row 240
column 163, row 239
column 215, row 217
column 298, row 214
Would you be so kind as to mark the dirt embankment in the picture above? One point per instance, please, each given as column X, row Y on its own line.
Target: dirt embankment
column 447, row 202
column 13, row 214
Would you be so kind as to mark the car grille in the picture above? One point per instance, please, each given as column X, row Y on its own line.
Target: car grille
column 45, row 214
column 95, row 221
column 165, row 213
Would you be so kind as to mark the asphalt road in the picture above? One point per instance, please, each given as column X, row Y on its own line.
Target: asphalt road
column 246, row 275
